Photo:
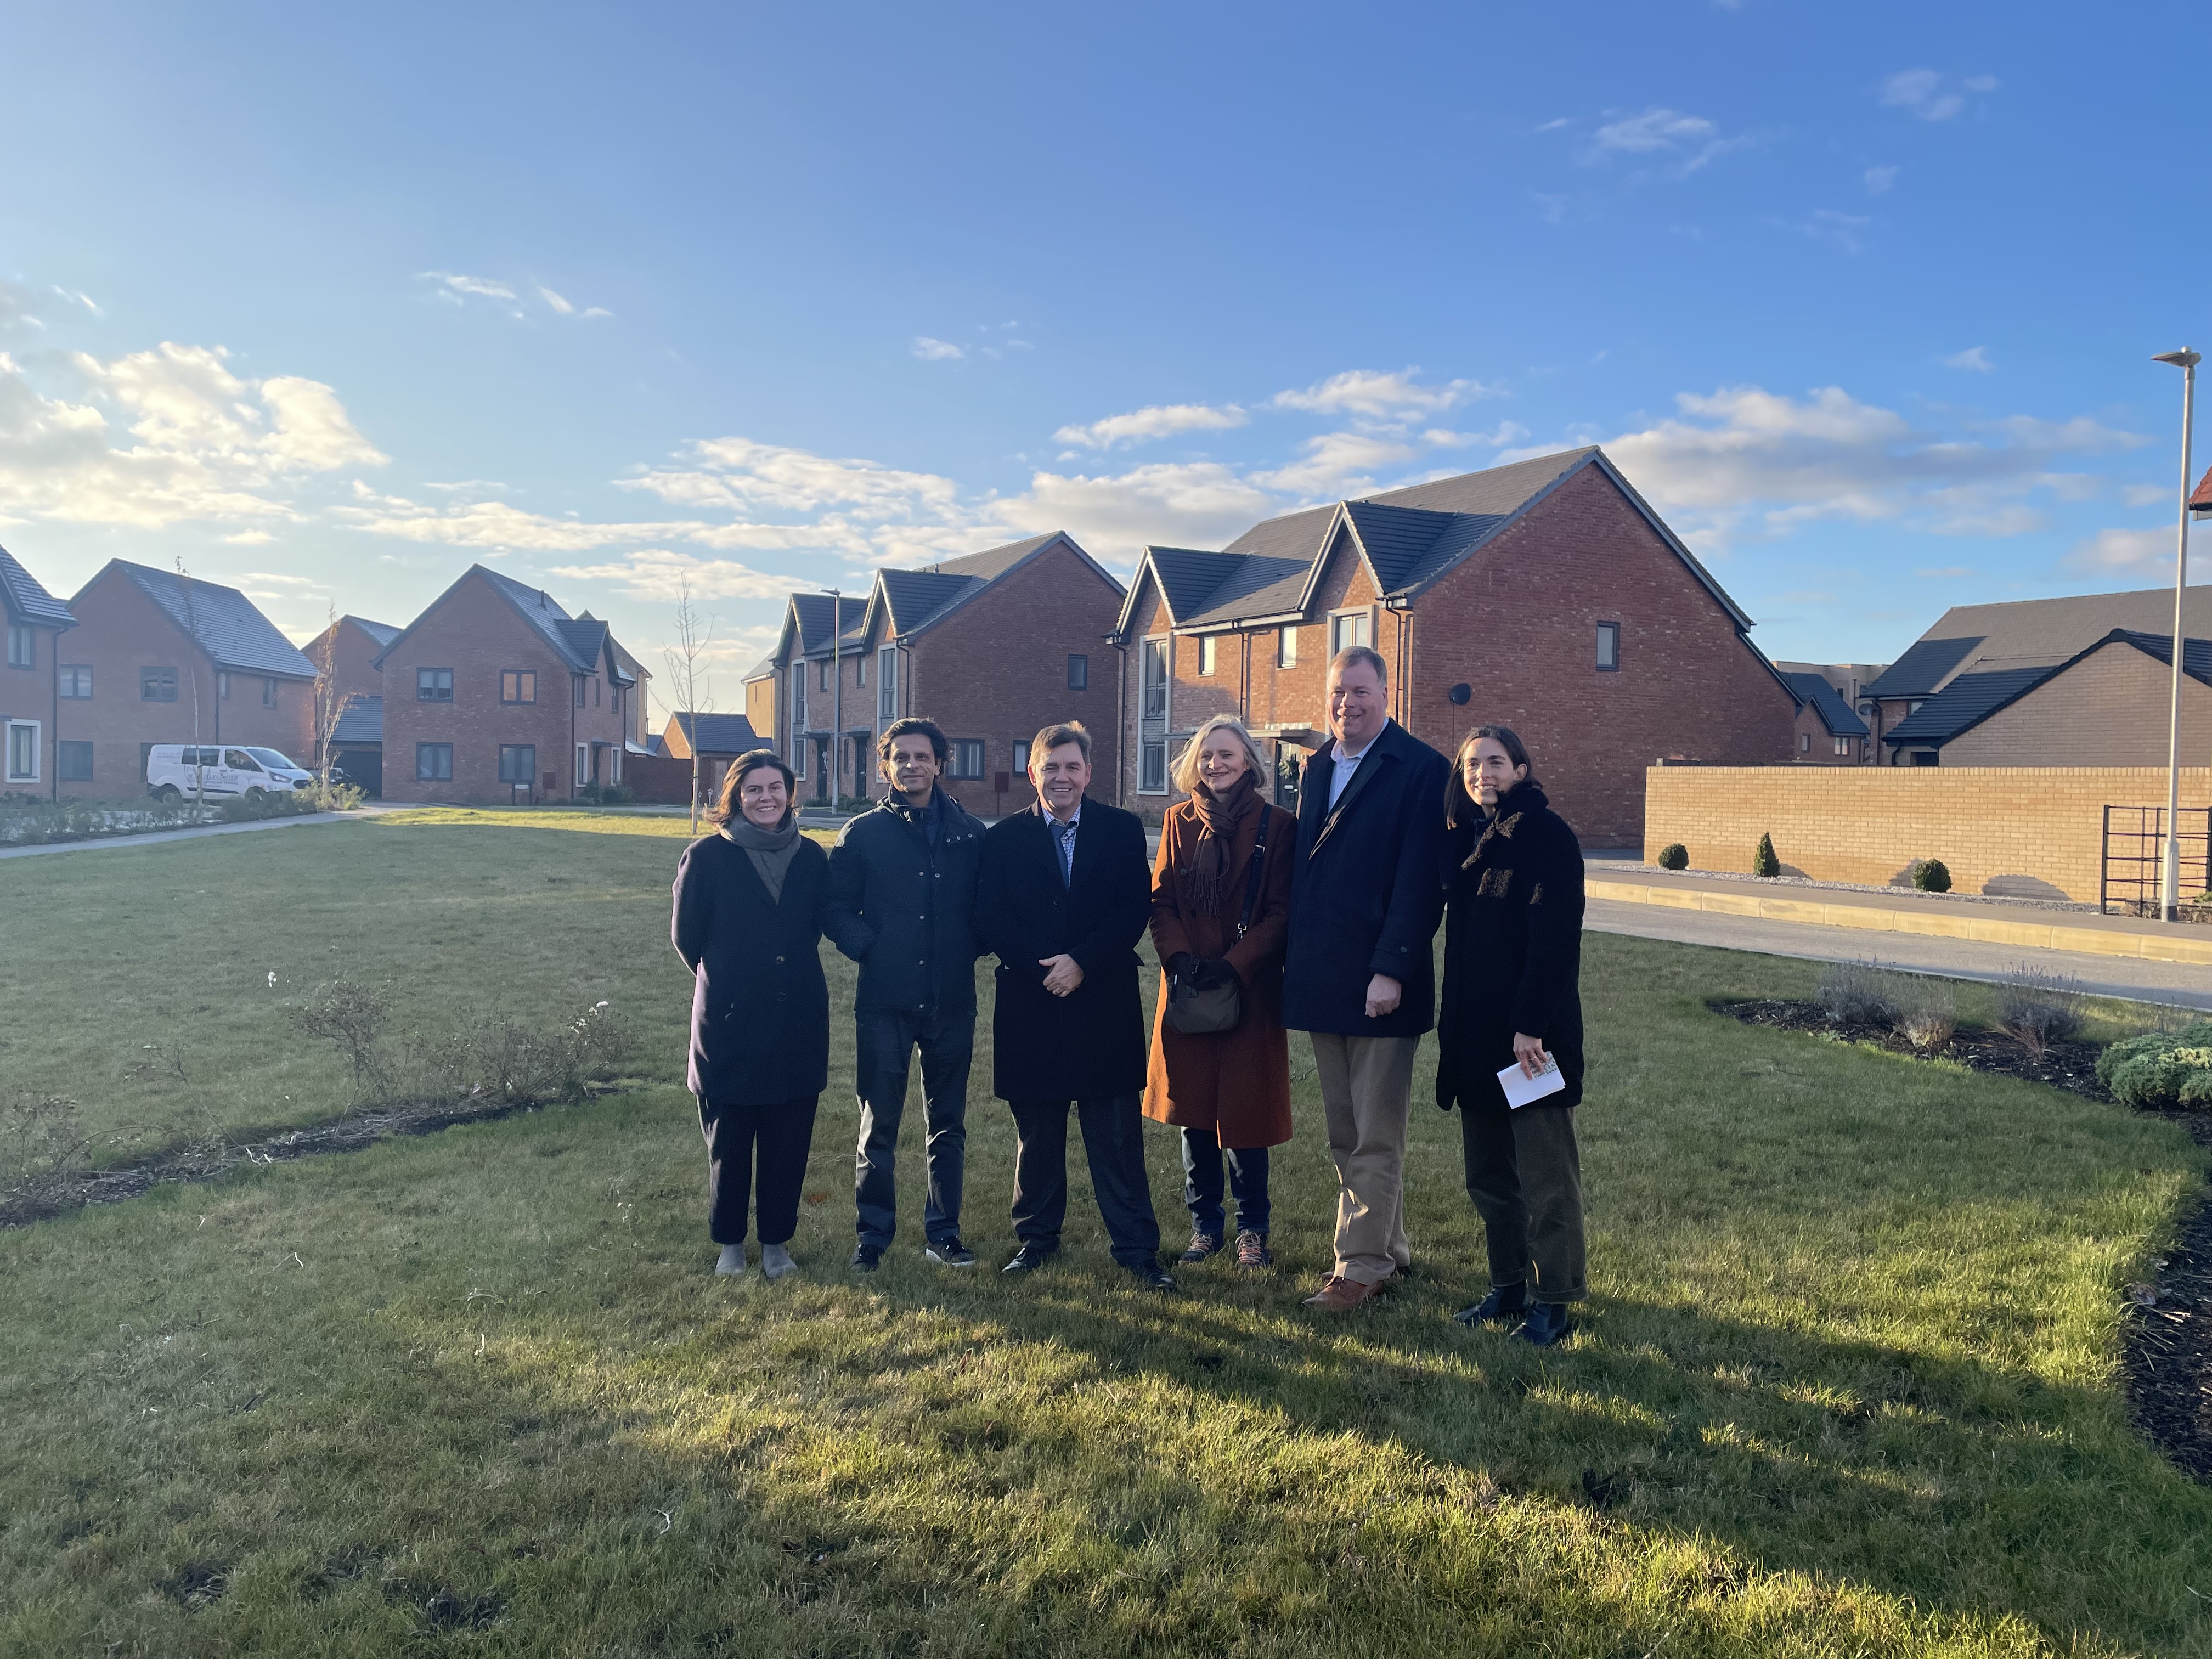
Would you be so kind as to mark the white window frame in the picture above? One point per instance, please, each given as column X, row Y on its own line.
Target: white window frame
column 887, row 682
column 1844, row 747
column 8, row 759
column 1286, row 647
column 583, row 764
column 1359, row 621
column 1209, row 653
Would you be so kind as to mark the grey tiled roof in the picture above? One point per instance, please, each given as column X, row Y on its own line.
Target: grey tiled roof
column 223, row 621
column 1966, row 701
column 916, row 596
column 1189, row 578
column 588, row 639
column 1396, row 537
column 362, row 721
column 1828, row 703
column 993, row 561
column 1979, row 638
column 23, row 599
column 717, row 734
column 1925, row 665
column 2195, row 654
column 382, row 633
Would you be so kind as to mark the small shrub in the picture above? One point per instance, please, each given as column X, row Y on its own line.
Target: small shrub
column 41, row 1146
column 350, row 1016
column 2161, row 1070
column 1927, row 1012
column 1674, row 856
column 1931, row 876
column 1857, row 993
column 2036, row 1009
column 608, row 794
column 1763, row 862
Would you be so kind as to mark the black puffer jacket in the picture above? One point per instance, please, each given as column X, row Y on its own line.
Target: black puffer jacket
column 1513, row 934
column 905, row 910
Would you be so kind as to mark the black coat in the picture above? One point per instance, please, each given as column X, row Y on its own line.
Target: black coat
column 1090, row 1044
column 1513, row 949
column 905, row 910
column 759, row 1007
column 1363, row 899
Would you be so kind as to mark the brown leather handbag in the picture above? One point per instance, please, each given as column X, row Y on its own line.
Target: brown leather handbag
column 1195, row 1012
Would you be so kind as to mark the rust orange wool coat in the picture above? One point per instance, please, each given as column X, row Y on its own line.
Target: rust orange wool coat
column 1238, row 1081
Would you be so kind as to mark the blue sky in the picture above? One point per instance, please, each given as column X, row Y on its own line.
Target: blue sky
column 329, row 302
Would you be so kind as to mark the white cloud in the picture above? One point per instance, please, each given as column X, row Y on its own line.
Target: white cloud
column 1153, row 420
column 78, row 297
column 1974, row 357
column 2148, row 554
column 656, row 573
column 202, row 442
column 250, row 538
column 1879, row 179
column 455, row 286
column 1746, row 457
column 935, row 351
column 741, row 473
column 2147, row 494
column 1371, row 393
column 15, row 305
column 1338, row 463
column 1198, row 504
column 1926, row 92
column 1689, row 142
column 555, row 300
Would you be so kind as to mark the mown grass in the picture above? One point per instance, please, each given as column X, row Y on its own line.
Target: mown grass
column 1848, row 1385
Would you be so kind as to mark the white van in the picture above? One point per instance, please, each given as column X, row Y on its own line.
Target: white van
column 174, row 771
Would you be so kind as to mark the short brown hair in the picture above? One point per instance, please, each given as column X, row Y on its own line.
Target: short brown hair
column 726, row 810
column 1366, row 653
column 1053, row 736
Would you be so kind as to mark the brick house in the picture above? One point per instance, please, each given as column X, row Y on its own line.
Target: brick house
column 160, row 658
column 31, row 684
column 716, row 739
column 991, row 645
column 496, row 694
column 1829, row 733
column 1545, row 595
column 761, row 683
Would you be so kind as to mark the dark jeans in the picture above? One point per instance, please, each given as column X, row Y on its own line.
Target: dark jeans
column 1201, row 1184
column 883, row 1043
column 1525, row 1175
column 1114, row 1141
column 779, row 1136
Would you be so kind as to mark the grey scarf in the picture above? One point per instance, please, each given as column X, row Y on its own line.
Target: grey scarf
column 770, row 850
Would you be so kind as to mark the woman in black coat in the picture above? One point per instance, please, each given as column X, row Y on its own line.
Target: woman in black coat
column 750, row 902
column 1513, row 924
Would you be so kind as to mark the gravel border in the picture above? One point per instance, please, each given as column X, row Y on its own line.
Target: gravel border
column 1893, row 890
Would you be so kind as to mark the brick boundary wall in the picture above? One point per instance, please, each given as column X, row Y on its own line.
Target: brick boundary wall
column 2010, row 830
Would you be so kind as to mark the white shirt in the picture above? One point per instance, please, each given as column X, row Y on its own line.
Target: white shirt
column 1343, row 765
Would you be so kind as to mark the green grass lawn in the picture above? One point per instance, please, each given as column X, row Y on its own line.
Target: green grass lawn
column 1848, row 1385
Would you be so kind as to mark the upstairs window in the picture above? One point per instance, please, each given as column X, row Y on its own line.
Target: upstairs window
column 1206, row 647
column 268, row 690
column 223, row 686
column 517, row 685
column 1348, row 629
column 860, row 668
column 76, row 682
column 1287, row 648
column 1608, row 647
column 887, row 682
column 825, row 674
column 1155, row 679
column 1844, row 747
column 157, row 685
column 433, row 685
column 1079, row 673
column 799, row 696
column 22, row 646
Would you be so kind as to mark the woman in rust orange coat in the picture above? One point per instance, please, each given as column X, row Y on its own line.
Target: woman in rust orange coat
column 1218, row 920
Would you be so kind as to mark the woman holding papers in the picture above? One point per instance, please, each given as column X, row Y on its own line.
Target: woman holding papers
column 1510, row 1029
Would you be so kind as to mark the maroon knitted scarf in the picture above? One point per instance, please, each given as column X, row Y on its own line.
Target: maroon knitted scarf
column 1220, row 818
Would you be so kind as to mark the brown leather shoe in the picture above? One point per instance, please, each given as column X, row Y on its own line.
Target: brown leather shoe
column 1340, row 1295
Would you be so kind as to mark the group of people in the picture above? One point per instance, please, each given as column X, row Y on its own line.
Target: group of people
column 1264, row 921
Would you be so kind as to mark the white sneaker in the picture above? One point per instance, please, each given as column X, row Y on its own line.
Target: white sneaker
column 732, row 1264
column 776, row 1260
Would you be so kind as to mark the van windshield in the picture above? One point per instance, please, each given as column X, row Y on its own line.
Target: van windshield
column 271, row 758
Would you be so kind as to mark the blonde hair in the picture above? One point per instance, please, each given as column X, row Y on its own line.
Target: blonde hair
column 1185, row 774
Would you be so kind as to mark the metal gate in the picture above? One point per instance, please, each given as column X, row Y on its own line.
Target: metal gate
column 2134, row 858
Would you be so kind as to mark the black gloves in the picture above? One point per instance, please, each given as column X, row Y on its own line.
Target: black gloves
column 1212, row 974
column 1181, row 964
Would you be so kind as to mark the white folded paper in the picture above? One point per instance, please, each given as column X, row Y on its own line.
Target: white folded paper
column 1520, row 1088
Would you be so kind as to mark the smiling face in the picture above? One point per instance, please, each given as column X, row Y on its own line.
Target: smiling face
column 1356, row 713
column 1222, row 759
column 1060, row 779
column 763, row 798
column 912, row 769
column 1488, row 771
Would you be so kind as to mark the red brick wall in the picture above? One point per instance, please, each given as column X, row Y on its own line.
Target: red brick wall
column 1517, row 623
column 476, row 633
column 1811, row 743
column 119, row 630
column 997, row 670
column 350, row 666
column 27, row 694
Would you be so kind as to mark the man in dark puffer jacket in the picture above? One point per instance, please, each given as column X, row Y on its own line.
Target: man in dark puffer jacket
column 902, row 900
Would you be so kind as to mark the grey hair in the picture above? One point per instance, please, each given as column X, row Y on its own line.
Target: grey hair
column 1185, row 776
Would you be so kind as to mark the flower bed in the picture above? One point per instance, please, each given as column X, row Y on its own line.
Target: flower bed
column 27, row 822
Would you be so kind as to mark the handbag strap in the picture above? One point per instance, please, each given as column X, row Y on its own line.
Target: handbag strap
column 1252, row 881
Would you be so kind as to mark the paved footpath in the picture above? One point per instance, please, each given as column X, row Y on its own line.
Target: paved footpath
column 162, row 837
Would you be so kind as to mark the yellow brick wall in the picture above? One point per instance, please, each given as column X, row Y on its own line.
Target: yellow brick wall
column 2016, row 830
column 2107, row 710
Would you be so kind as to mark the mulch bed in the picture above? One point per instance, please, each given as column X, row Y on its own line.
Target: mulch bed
column 61, row 1195
column 2167, row 1349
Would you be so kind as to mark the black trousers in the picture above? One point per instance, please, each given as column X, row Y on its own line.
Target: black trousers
column 883, row 1043
column 1524, row 1173
column 780, row 1136
column 1114, row 1141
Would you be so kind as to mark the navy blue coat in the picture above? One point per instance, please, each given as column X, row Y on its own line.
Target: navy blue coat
column 1364, row 896
column 1089, row 1045
column 905, row 910
column 760, row 1006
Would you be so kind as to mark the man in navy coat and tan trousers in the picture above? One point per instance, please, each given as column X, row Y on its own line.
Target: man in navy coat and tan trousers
column 1063, row 895
column 1367, row 895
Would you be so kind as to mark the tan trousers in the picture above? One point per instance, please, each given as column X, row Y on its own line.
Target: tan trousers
column 1366, row 1088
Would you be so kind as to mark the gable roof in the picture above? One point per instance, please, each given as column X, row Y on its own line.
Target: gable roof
column 222, row 621
column 22, row 597
column 717, row 734
column 362, row 721
column 1827, row 703
column 2200, row 499
column 382, row 633
column 1970, row 699
column 919, row 599
column 578, row 643
column 1980, row 639
column 1408, row 537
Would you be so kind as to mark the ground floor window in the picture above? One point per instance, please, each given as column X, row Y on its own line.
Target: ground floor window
column 22, row 751
column 583, row 764
column 798, row 748
column 1153, row 779
column 433, row 763
column 73, row 761
column 517, row 763
column 967, row 758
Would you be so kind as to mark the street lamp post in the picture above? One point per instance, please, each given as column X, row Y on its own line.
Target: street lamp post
column 837, row 695
column 2169, row 894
